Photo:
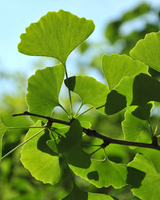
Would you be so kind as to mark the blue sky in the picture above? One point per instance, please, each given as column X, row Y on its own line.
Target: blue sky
column 16, row 15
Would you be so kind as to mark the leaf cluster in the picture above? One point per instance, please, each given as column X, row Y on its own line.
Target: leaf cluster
column 130, row 87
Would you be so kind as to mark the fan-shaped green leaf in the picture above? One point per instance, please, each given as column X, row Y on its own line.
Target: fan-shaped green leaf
column 3, row 130
column 68, row 141
column 148, row 187
column 133, row 127
column 89, row 89
column 43, row 90
column 56, row 35
column 79, row 195
column 93, row 170
column 137, row 90
column 115, row 67
column 39, row 159
column 147, row 50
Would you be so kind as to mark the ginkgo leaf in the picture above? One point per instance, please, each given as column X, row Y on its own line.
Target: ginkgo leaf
column 143, row 178
column 38, row 158
column 43, row 90
column 133, row 127
column 93, row 170
column 131, row 91
column 115, row 67
column 78, row 194
column 147, row 50
column 89, row 89
column 55, row 35
column 69, row 140
column 3, row 130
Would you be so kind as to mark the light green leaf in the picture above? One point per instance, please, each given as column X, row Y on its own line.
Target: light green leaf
column 115, row 67
column 68, row 141
column 115, row 174
column 89, row 89
column 133, row 127
column 130, row 91
column 43, row 90
column 147, row 50
column 81, row 195
column 55, row 35
column 93, row 171
column 145, row 184
column 3, row 130
column 39, row 159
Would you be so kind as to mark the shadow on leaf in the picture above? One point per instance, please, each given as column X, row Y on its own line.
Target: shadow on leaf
column 134, row 177
column 93, row 175
column 70, row 82
column 42, row 145
column 115, row 102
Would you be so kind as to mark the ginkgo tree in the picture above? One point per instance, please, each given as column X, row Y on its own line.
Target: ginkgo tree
column 129, row 87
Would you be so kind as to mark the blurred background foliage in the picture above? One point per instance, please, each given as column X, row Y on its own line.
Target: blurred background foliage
column 120, row 36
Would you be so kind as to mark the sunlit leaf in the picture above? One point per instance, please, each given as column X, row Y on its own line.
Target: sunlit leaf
column 133, row 127
column 43, row 90
column 68, row 141
column 137, row 90
column 115, row 174
column 78, row 194
column 145, row 184
column 89, row 89
column 93, row 170
column 3, row 130
column 56, row 35
column 39, row 159
column 147, row 50
column 115, row 67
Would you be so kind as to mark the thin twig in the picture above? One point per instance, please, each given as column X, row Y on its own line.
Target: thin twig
column 93, row 133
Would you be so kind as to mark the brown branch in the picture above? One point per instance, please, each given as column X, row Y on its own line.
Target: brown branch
column 93, row 133
column 108, row 140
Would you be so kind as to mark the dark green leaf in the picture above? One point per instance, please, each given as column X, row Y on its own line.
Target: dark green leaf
column 68, row 141
column 81, row 195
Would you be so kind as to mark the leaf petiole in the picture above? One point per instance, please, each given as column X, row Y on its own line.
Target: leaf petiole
column 21, row 144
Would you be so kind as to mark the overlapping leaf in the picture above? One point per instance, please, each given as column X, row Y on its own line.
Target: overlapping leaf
column 68, row 141
column 3, row 130
column 145, row 184
column 93, row 170
column 115, row 67
column 147, row 50
column 43, row 90
column 133, row 127
column 79, row 195
column 56, row 35
column 137, row 90
column 39, row 159
column 89, row 89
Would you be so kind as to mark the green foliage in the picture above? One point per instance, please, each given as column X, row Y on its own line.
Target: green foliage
column 3, row 130
column 150, row 178
column 150, row 48
column 53, row 146
column 58, row 35
column 45, row 83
